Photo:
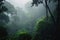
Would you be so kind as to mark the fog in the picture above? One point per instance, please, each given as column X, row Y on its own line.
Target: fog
column 23, row 15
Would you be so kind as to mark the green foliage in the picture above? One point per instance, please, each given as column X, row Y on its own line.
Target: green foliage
column 36, row 2
column 3, row 17
column 44, row 31
column 37, row 23
column 21, row 32
column 43, row 22
column 21, row 35
column 24, row 36
column 2, row 8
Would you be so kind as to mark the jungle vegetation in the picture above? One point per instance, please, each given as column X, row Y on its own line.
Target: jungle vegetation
column 44, row 29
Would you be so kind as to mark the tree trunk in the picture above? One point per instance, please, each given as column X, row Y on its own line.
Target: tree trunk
column 46, row 10
column 53, row 19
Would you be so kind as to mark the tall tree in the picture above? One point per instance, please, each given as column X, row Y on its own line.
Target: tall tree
column 36, row 2
column 57, row 22
column 3, row 18
column 6, row 8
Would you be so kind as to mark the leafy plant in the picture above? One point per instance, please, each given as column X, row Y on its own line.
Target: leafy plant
column 44, row 30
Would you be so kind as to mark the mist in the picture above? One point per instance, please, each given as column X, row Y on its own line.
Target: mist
column 23, row 16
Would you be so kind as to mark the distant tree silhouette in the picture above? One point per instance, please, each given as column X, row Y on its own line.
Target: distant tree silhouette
column 6, row 8
column 3, row 17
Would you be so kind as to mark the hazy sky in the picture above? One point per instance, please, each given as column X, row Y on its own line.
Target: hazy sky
column 20, row 3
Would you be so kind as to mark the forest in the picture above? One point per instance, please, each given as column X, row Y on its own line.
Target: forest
column 29, row 19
